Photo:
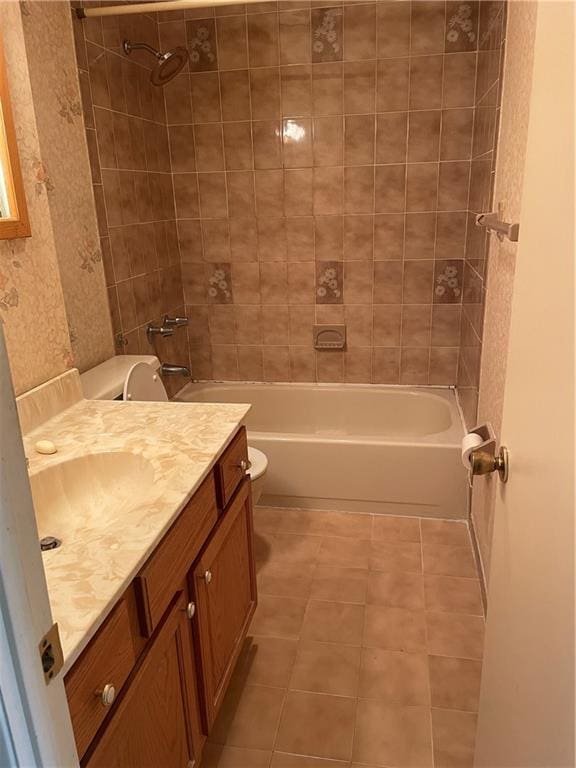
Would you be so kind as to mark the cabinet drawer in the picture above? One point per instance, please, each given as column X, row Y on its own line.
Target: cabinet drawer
column 161, row 577
column 108, row 660
column 230, row 470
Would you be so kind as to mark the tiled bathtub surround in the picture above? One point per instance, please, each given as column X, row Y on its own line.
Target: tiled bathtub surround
column 321, row 163
column 484, row 141
column 127, row 139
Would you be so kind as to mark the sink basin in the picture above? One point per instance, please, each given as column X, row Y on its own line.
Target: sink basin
column 89, row 490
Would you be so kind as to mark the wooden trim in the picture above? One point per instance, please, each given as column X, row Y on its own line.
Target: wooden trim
column 19, row 225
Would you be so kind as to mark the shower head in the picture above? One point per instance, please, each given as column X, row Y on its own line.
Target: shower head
column 169, row 63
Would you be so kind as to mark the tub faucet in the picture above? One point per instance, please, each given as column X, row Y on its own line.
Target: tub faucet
column 167, row 369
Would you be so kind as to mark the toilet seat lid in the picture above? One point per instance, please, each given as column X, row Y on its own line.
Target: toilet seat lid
column 259, row 462
column 144, row 384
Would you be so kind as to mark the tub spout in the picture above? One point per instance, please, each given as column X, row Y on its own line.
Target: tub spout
column 168, row 369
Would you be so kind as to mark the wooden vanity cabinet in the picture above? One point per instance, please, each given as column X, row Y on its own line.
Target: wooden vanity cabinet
column 156, row 722
column 170, row 644
column 224, row 588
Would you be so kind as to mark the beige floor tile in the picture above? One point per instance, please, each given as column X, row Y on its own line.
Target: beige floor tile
column 454, row 738
column 443, row 560
column 343, row 585
column 266, row 661
column 279, row 548
column 451, row 532
column 398, row 590
column 284, row 760
column 217, row 756
column 394, row 629
column 285, row 580
column 326, row 668
column 267, row 519
column 333, row 622
column 392, row 736
column 455, row 634
column 396, row 528
column 347, row 525
column 343, row 552
column 278, row 616
column 395, row 677
column 454, row 683
column 317, row 725
column 249, row 717
column 452, row 594
column 303, row 521
column 396, row 556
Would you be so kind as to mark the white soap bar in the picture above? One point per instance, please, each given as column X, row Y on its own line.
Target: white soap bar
column 45, row 446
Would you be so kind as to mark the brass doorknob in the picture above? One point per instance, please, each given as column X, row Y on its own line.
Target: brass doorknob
column 483, row 463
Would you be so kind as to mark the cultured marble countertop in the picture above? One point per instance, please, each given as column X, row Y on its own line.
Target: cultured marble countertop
column 98, row 560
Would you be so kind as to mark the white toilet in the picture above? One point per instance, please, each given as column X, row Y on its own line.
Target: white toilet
column 137, row 378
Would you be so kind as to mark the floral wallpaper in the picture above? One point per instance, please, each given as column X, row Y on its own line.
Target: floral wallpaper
column 67, row 179
column 32, row 308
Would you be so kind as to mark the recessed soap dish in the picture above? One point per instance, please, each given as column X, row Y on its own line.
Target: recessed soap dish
column 329, row 336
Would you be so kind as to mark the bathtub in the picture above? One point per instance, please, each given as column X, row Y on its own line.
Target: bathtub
column 354, row 447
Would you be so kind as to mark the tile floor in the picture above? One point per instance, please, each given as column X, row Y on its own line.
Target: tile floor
column 365, row 649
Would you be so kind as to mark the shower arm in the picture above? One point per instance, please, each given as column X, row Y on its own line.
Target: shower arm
column 162, row 5
column 129, row 47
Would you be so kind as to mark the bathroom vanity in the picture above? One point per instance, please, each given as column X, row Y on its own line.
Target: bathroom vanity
column 153, row 586
column 147, row 688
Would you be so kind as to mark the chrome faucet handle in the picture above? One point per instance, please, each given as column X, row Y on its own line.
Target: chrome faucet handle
column 174, row 321
column 158, row 330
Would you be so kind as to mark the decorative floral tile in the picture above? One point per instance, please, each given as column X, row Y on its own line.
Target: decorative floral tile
column 461, row 27
column 329, row 282
column 448, row 281
column 201, row 36
column 327, row 34
column 219, row 284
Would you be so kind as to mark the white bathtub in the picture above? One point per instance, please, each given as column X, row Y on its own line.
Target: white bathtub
column 355, row 447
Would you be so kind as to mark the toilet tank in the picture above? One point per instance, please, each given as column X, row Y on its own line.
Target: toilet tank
column 106, row 381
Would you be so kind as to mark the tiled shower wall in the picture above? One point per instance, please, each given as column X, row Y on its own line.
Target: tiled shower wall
column 488, row 90
column 127, row 140
column 321, row 161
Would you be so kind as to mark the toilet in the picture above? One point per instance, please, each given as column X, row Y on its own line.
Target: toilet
column 137, row 378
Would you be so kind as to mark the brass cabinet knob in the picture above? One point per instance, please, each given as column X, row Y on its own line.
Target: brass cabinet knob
column 208, row 577
column 190, row 610
column 107, row 695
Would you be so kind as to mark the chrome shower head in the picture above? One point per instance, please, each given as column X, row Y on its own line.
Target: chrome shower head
column 169, row 63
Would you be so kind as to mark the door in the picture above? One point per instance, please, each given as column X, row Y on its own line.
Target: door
column 155, row 723
column 34, row 718
column 225, row 586
column 526, row 715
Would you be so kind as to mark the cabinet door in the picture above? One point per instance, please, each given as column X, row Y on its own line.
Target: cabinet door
column 225, row 587
column 157, row 721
